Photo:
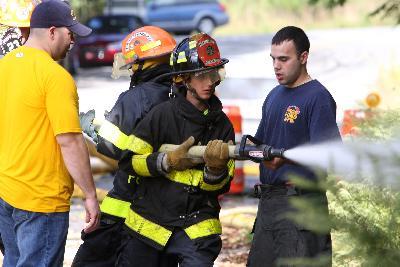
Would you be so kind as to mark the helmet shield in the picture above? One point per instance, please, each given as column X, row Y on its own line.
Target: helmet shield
column 211, row 74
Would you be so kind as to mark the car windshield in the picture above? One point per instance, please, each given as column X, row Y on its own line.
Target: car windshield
column 116, row 25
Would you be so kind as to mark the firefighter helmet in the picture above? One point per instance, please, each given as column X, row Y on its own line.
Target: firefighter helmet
column 17, row 13
column 196, row 53
column 145, row 43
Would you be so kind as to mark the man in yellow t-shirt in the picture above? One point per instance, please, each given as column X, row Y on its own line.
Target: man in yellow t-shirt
column 15, row 18
column 41, row 144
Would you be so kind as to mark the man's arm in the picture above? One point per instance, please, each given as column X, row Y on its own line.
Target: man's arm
column 276, row 163
column 76, row 159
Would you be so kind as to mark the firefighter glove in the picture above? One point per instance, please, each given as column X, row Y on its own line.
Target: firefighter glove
column 86, row 121
column 178, row 159
column 216, row 156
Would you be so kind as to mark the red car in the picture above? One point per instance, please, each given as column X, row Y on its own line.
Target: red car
column 108, row 32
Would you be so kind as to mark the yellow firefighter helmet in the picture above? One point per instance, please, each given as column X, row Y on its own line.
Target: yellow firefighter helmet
column 17, row 13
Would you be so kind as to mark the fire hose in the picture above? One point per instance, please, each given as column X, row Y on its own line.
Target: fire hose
column 249, row 149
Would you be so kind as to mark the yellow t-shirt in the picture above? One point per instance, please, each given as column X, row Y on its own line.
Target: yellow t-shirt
column 38, row 100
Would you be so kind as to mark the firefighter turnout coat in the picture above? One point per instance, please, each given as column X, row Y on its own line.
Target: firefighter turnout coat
column 115, row 134
column 178, row 199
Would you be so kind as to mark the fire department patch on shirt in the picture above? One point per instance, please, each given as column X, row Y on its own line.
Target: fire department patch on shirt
column 291, row 114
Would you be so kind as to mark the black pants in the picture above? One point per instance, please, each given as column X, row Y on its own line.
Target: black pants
column 101, row 248
column 189, row 253
column 277, row 237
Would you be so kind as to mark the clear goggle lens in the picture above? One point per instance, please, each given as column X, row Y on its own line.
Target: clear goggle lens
column 212, row 75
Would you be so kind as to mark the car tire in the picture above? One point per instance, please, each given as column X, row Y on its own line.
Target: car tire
column 206, row 25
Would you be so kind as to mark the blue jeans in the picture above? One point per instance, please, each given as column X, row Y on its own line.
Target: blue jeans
column 32, row 238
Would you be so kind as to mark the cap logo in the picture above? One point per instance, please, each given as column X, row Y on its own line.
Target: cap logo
column 73, row 15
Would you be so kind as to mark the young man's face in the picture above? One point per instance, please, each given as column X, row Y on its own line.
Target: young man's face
column 204, row 83
column 287, row 64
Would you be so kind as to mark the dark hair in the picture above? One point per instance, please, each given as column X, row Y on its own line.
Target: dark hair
column 295, row 34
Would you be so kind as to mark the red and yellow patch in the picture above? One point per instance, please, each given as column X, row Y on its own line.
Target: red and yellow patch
column 291, row 114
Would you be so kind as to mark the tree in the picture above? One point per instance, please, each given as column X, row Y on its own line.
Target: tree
column 389, row 8
column 85, row 9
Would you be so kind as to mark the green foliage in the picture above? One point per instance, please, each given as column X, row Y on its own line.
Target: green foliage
column 380, row 124
column 85, row 9
column 328, row 3
column 262, row 16
column 368, row 219
column 389, row 8
column 365, row 220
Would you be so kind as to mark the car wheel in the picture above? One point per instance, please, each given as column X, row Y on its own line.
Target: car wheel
column 206, row 25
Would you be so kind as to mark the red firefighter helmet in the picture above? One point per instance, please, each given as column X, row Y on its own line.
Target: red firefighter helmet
column 196, row 53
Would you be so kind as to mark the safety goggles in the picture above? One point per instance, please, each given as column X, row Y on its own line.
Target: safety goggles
column 213, row 75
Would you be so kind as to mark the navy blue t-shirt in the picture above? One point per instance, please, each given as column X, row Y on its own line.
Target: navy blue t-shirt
column 292, row 117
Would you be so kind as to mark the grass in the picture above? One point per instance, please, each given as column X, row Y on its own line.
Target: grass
column 266, row 16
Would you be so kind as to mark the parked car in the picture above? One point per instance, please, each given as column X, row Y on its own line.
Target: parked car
column 177, row 16
column 108, row 32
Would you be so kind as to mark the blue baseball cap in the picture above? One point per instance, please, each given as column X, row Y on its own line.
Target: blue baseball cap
column 56, row 13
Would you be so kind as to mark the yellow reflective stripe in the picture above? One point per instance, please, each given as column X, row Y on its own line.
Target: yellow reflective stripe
column 128, row 56
column 139, row 165
column 147, row 228
column 111, row 133
column 214, row 187
column 171, row 59
column 195, row 177
column 150, row 45
column 191, row 177
column 231, row 167
column 181, row 57
column 204, row 228
column 115, row 207
column 192, row 44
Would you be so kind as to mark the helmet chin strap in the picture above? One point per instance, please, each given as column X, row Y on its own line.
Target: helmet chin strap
column 193, row 92
column 136, row 74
